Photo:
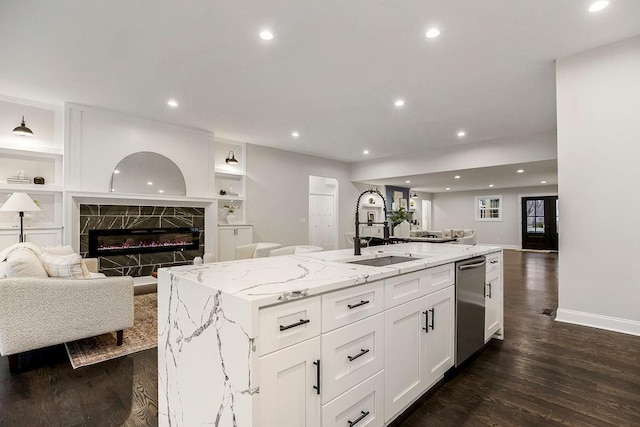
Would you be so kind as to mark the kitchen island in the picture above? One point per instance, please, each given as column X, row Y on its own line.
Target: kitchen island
column 311, row 340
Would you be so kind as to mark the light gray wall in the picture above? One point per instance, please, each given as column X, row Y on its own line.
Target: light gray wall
column 278, row 194
column 457, row 210
column 598, row 104
column 417, row 213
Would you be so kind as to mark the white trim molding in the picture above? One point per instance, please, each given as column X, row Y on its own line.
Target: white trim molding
column 616, row 324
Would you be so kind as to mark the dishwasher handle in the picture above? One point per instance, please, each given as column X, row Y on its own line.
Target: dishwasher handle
column 468, row 266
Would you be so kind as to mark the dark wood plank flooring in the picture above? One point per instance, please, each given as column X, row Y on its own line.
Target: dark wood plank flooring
column 544, row 373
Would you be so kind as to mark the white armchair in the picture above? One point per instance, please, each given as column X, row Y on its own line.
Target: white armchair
column 295, row 250
column 255, row 250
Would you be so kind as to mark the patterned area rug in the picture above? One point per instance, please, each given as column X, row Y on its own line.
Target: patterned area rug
column 142, row 336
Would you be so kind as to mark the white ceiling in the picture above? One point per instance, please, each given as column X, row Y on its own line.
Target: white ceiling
column 505, row 176
column 332, row 71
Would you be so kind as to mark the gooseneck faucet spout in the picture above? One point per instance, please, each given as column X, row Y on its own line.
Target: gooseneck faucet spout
column 356, row 239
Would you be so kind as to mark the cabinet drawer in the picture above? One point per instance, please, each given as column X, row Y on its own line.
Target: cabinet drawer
column 349, row 305
column 363, row 402
column 351, row 354
column 289, row 323
column 493, row 262
column 406, row 287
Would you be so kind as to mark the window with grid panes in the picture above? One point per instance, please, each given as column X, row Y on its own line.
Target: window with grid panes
column 489, row 208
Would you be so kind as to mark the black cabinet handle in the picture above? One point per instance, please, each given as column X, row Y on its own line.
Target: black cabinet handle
column 357, row 305
column 317, row 387
column 494, row 262
column 433, row 318
column 362, row 353
column 293, row 325
column 426, row 321
column 360, row 418
column 489, row 286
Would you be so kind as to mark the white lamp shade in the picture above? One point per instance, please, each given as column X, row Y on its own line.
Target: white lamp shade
column 19, row 202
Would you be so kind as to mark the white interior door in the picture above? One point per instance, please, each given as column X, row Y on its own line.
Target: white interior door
column 322, row 221
column 426, row 214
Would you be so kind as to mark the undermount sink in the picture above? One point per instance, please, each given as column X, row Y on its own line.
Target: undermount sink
column 383, row 261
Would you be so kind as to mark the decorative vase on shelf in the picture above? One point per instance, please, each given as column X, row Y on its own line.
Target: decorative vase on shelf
column 231, row 218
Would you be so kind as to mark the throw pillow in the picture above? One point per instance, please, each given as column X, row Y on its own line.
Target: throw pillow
column 3, row 269
column 57, row 250
column 64, row 265
column 447, row 233
column 458, row 233
column 23, row 262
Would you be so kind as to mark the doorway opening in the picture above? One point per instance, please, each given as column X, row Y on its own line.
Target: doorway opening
column 323, row 215
column 540, row 219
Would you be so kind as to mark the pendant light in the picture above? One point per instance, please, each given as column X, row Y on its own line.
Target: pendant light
column 23, row 129
column 414, row 195
column 231, row 159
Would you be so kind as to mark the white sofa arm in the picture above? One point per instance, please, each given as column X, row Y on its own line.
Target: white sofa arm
column 37, row 312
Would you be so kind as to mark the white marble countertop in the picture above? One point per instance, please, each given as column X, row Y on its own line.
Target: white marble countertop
column 267, row 281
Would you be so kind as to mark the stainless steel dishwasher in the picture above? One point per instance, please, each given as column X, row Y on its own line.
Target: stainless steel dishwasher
column 470, row 294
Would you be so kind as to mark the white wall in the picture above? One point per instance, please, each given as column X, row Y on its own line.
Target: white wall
column 598, row 104
column 457, row 210
column 98, row 139
column 278, row 194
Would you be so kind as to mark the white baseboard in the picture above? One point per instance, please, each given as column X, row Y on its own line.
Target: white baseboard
column 631, row 327
column 500, row 246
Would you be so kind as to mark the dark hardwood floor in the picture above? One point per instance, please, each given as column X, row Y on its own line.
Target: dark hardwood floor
column 544, row 373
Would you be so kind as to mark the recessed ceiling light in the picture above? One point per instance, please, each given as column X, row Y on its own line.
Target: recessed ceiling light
column 598, row 5
column 408, row 182
column 160, row 191
column 172, row 103
column 456, row 177
column 543, row 182
column 447, row 188
column 116, row 171
column 490, row 185
column 295, row 134
column 520, row 171
column 461, row 134
column 365, row 152
column 433, row 33
column 399, row 103
column 149, row 183
column 266, row 35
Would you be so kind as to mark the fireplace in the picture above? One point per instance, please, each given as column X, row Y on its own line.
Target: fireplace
column 142, row 240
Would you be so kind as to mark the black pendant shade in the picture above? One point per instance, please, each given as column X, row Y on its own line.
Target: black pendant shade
column 23, row 129
column 414, row 195
column 231, row 159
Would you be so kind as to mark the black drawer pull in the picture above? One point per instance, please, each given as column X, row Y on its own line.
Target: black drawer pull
column 300, row 323
column 360, row 418
column 362, row 353
column 426, row 321
column 317, row 387
column 357, row 305
column 433, row 318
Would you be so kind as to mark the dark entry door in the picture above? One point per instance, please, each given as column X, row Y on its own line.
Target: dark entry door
column 540, row 222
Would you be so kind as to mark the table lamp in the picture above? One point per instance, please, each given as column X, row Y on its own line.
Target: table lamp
column 21, row 203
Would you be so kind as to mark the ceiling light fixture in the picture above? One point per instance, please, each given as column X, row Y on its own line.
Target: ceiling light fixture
column 408, row 182
column 149, row 183
column 414, row 195
column 433, row 33
column 365, row 152
column 116, row 171
column 461, row 134
column 295, row 134
column 266, row 35
column 456, row 177
column 160, row 191
column 520, row 171
column 399, row 103
column 447, row 188
column 231, row 158
column 23, row 129
column 172, row 103
column 598, row 6
column 543, row 182
column 490, row 185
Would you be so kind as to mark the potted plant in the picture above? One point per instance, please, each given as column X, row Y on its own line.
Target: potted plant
column 231, row 208
column 398, row 217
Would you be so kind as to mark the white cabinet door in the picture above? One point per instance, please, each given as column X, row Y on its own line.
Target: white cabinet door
column 244, row 236
column 43, row 237
column 440, row 333
column 405, row 355
column 322, row 221
column 493, row 304
column 226, row 244
column 287, row 380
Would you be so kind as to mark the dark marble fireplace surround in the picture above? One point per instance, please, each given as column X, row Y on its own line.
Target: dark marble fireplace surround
column 111, row 217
